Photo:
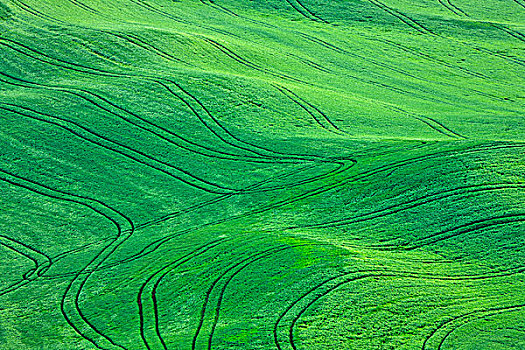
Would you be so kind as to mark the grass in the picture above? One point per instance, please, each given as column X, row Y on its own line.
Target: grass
column 274, row 174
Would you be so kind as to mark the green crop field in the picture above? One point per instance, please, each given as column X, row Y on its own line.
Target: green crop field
column 262, row 174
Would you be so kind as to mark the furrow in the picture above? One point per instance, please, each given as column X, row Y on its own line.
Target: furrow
column 130, row 153
column 124, row 227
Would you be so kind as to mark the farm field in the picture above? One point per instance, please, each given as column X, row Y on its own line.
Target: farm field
column 262, row 174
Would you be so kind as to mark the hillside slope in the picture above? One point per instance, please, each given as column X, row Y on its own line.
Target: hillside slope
column 264, row 174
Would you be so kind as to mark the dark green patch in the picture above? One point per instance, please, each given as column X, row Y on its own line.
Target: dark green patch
column 5, row 12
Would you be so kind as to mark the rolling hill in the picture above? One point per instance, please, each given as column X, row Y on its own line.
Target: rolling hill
column 263, row 174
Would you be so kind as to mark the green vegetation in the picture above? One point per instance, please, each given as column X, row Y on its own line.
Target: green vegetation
column 266, row 174
column 4, row 11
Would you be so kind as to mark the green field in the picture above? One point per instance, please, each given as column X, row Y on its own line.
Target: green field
column 262, row 174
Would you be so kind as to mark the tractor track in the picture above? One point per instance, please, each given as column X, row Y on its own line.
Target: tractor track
column 446, row 234
column 118, row 75
column 452, row 8
column 256, row 258
column 213, row 4
column 41, row 260
column 153, row 246
column 163, row 272
column 75, row 287
column 393, row 209
column 160, row 132
column 135, row 155
column 177, row 85
column 423, row 30
column 177, row 19
column 345, row 278
column 305, row 12
column 467, row 228
column 402, row 72
column 466, row 318
column 235, row 269
column 250, row 64
column 84, row 69
column 412, row 23
column 139, row 42
column 461, row 13
column 519, row 2
column 323, row 189
column 432, row 123
column 34, row 12
column 330, row 127
column 85, row 7
column 360, row 176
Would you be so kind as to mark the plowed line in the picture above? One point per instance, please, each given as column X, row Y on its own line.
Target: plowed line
column 135, row 155
column 41, row 260
column 459, row 191
column 99, row 208
column 118, row 75
column 403, row 18
column 467, row 318
column 304, row 11
column 212, row 287
column 152, row 294
column 223, row 290
column 249, row 64
column 84, row 69
column 347, row 278
column 302, row 103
